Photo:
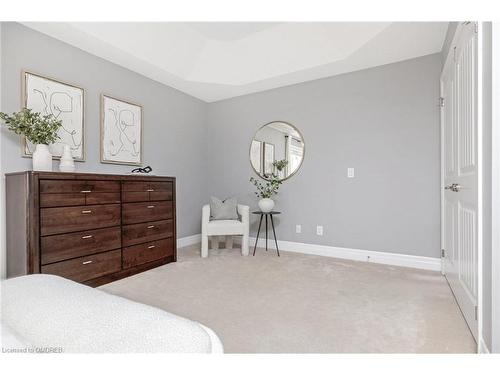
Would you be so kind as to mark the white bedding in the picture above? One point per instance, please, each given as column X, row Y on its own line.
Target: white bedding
column 45, row 311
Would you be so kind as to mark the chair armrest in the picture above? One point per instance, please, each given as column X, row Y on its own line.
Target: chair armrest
column 244, row 212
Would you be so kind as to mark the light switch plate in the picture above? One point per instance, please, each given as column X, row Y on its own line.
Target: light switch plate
column 350, row 172
column 298, row 228
column 319, row 230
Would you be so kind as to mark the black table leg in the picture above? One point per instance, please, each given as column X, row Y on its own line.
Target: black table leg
column 266, row 232
column 257, row 239
column 274, row 233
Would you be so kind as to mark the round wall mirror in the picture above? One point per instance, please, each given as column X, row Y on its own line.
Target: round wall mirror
column 277, row 149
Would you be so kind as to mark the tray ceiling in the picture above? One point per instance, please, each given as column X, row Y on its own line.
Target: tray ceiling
column 219, row 60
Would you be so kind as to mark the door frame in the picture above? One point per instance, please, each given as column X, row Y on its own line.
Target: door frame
column 448, row 61
column 495, row 220
column 480, row 341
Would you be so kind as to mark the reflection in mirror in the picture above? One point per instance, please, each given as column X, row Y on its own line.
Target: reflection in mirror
column 277, row 149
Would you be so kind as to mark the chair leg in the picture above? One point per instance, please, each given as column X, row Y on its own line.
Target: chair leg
column 229, row 242
column 244, row 244
column 215, row 242
column 204, row 246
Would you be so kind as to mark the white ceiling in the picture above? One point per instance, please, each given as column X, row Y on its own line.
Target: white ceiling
column 284, row 128
column 219, row 60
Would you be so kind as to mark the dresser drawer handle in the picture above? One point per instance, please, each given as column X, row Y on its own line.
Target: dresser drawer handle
column 87, row 262
column 87, row 236
column 86, row 211
column 151, row 206
column 150, row 190
column 151, row 226
column 86, row 191
column 151, row 246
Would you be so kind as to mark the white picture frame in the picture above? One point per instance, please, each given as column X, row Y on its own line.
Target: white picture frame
column 268, row 158
column 121, row 131
column 66, row 102
column 256, row 155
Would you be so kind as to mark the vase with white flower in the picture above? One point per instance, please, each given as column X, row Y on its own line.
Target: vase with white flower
column 280, row 167
column 41, row 130
column 265, row 191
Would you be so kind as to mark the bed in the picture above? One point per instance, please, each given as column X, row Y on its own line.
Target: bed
column 50, row 313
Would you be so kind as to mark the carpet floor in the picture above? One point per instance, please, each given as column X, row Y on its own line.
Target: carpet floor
column 305, row 304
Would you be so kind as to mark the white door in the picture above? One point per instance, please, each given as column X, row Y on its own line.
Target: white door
column 460, row 172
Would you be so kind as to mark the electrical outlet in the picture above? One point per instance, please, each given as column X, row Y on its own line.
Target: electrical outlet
column 319, row 230
column 350, row 172
column 298, row 228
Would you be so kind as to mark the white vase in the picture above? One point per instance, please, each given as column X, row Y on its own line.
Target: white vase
column 266, row 204
column 66, row 164
column 42, row 158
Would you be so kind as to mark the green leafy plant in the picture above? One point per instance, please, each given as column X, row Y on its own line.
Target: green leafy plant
column 37, row 128
column 268, row 188
column 280, row 164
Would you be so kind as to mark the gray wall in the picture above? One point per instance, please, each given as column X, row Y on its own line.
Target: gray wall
column 383, row 121
column 174, row 123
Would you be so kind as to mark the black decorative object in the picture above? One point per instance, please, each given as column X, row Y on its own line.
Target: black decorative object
column 147, row 169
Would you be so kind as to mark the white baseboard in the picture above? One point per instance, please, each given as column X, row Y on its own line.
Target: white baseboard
column 402, row 260
column 189, row 240
column 393, row 259
column 483, row 348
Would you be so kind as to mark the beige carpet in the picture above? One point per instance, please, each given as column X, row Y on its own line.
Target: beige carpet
column 305, row 304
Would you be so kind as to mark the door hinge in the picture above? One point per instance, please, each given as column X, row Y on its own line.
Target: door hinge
column 475, row 312
column 442, row 253
column 441, row 101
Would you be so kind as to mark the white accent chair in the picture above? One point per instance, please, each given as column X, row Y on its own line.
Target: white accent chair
column 227, row 228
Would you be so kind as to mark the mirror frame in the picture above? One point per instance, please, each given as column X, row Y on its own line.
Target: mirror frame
column 303, row 152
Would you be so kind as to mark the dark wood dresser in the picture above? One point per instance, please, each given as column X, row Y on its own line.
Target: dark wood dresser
column 90, row 228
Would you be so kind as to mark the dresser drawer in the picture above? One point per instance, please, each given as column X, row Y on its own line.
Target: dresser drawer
column 146, row 191
column 88, row 267
column 78, row 199
column 58, row 200
column 60, row 193
column 135, row 196
column 160, row 186
column 77, row 186
column 102, row 198
column 72, row 245
column 147, row 252
column 160, row 195
column 148, row 211
column 135, row 186
column 72, row 219
column 144, row 232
